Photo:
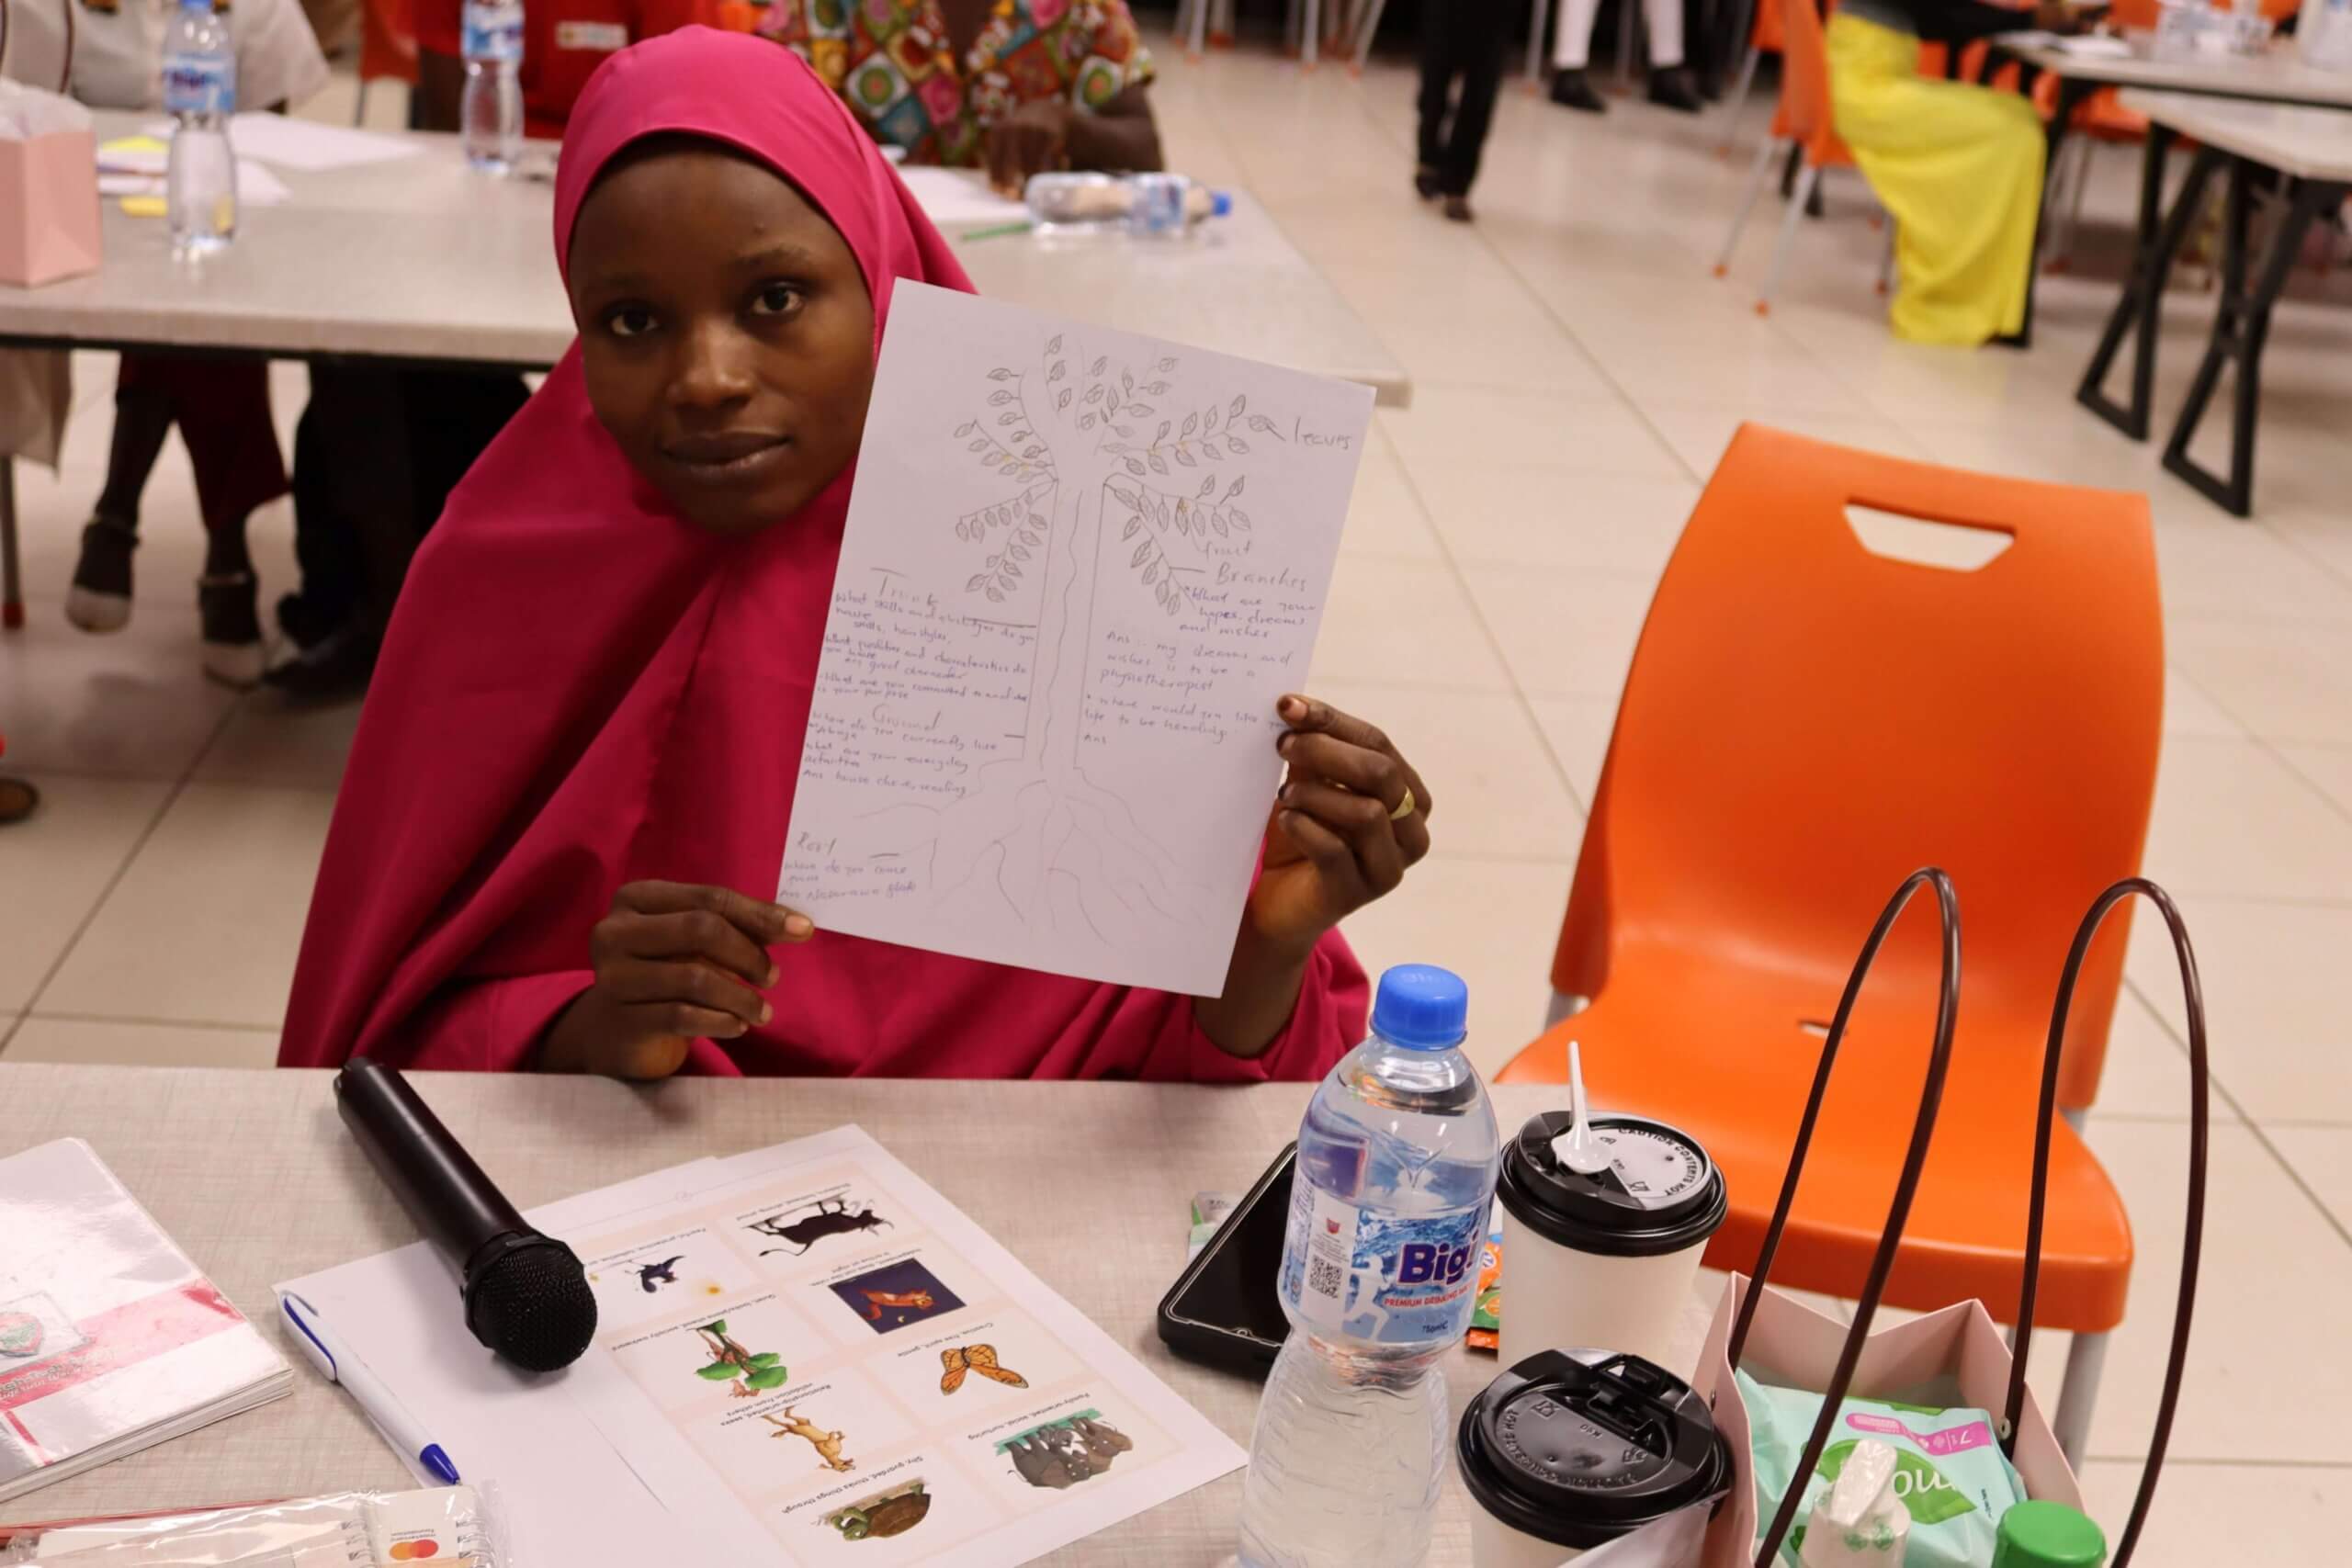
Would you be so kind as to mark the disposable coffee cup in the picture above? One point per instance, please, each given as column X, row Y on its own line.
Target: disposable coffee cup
column 1608, row 1259
column 1570, row 1450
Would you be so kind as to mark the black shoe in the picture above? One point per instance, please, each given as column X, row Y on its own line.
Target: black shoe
column 1425, row 183
column 1570, row 90
column 99, row 600
column 305, row 621
column 18, row 800
column 339, row 667
column 1674, row 88
column 1457, row 207
column 232, row 651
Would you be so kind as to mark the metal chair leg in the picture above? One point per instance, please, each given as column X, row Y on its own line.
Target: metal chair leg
column 12, row 581
column 1886, row 259
column 1789, row 219
column 1310, row 34
column 1760, row 171
column 1539, row 32
column 1628, row 19
column 1368, row 28
column 1733, row 109
column 359, row 105
column 2078, row 1395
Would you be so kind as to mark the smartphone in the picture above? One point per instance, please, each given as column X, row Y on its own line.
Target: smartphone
column 1223, row 1307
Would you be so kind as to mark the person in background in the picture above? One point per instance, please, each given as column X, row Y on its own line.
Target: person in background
column 563, row 42
column 1018, row 87
column 1462, row 42
column 1671, row 83
column 1959, row 167
column 220, row 407
column 568, row 800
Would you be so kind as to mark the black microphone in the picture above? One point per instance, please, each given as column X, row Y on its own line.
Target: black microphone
column 526, row 1296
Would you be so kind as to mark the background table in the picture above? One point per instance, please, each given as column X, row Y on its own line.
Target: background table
column 1088, row 1184
column 421, row 259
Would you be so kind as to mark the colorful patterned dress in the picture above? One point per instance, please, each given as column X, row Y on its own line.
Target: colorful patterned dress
column 889, row 59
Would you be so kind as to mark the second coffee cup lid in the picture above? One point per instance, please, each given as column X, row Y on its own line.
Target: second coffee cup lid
column 1659, row 1193
column 1580, row 1447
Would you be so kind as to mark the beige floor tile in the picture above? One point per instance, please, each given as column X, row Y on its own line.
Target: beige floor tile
column 134, row 702
column 1532, row 354
column 1494, row 923
column 1516, row 516
column 2277, row 1025
column 2231, row 818
column 2206, row 1516
column 91, row 1042
column 55, row 865
column 2188, row 711
column 1699, row 434
column 2329, row 767
column 268, row 740
column 1579, row 729
column 1592, row 435
column 2265, row 1357
column 1404, row 622
column 1563, row 637
column 2211, row 564
column 1385, row 516
column 206, row 923
column 2321, row 1157
column 2147, row 1069
column 2284, row 681
column 1499, row 794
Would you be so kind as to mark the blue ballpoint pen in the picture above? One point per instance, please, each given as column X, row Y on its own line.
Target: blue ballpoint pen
column 336, row 1362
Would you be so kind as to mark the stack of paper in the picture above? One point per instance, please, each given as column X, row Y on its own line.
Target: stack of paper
column 110, row 1341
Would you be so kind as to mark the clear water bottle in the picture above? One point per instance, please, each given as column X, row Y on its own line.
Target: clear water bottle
column 1396, row 1163
column 491, row 114
column 200, row 93
column 1149, row 204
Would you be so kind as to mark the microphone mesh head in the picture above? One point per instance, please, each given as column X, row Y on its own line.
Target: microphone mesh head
column 533, row 1306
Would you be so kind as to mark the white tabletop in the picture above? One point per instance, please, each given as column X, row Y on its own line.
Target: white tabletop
column 1088, row 1184
column 420, row 258
column 2277, row 75
column 2305, row 143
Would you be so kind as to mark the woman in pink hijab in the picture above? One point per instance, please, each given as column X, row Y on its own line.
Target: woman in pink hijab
column 570, row 788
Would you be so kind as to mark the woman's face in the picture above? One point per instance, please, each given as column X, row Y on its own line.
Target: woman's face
column 726, row 333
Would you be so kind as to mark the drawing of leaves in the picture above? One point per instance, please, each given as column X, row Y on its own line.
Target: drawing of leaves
column 1126, row 498
column 1100, row 363
column 1033, row 451
column 1133, row 467
column 1241, row 519
column 979, row 582
column 1143, row 554
column 718, row 1372
column 1157, row 388
column 1208, row 450
column 1008, row 419
column 1012, row 571
column 1165, row 365
column 1022, row 435
column 1212, row 423
column 1086, row 422
column 1236, row 489
column 1062, row 401
column 1125, row 429
column 1137, row 410
column 1218, row 522
column 1151, row 573
column 999, row 400
column 1159, row 464
column 1162, row 436
column 999, row 373
column 1054, row 347
column 1191, row 422
column 1183, row 523
column 1093, row 394
column 1134, row 523
column 1127, row 381
column 1186, row 459
column 1016, row 552
column 1055, row 374
column 1239, row 402
column 966, row 428
column 1240, row 448
column 979, row 445
column 1261, row 425
column 995, row 597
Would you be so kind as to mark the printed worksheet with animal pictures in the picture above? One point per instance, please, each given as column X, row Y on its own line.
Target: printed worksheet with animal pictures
column 1080, row 569
column 831, row 1349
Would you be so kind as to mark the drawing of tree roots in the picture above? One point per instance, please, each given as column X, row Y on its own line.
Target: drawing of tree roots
column 1084, row 449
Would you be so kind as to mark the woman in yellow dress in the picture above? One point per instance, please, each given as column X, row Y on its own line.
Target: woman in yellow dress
column 1959, row 166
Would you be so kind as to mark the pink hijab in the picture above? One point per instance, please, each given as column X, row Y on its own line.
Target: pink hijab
column 580, row 690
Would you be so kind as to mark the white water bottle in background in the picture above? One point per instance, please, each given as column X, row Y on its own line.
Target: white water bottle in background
column 200, row 93
column 1396, row 1170
column 491, row 113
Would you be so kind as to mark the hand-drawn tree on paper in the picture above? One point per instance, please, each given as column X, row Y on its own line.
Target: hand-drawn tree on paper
column 1114, row 481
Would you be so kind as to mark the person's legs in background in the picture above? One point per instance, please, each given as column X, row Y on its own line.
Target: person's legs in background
column 1671, row 80
column 1571, row 47
column 222, row 409
column 1483, row 27
column 1440, row 31
column 1671, row 83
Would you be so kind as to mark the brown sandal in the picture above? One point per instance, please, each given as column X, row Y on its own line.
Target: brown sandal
column 18, row 800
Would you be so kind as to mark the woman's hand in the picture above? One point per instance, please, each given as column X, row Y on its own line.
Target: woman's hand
column 1351, row 817
column 1032, row 139
column 675, row 963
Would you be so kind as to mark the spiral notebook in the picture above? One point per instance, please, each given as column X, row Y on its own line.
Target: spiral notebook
column 111, row 1341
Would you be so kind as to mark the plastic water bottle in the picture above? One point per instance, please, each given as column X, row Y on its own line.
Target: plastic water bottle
column 200, row 93
column 1396, row 1163
column 491, row 113
column 1148, row 204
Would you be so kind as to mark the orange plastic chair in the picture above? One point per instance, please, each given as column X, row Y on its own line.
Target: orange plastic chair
column 1802, row 118
column 1806, row 722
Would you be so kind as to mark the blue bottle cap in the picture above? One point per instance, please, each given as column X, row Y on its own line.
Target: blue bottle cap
column 1220, row 203
column 1422, row 1007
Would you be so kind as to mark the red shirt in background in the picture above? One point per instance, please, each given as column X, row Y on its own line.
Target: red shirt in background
column 563, row 42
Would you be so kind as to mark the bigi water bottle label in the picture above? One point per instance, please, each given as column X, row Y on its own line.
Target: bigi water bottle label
column 493, row 32
column 1400, row 1279
column 199, row 85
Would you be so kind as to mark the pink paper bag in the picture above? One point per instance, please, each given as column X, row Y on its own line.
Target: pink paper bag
column 48, row 208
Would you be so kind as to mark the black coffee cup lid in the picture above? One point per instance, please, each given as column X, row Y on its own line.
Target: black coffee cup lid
column 1659, row 1194
column 1580, row 1447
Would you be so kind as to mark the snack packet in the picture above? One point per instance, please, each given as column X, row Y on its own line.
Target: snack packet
column 1949, row 1469
column 1486, row 1320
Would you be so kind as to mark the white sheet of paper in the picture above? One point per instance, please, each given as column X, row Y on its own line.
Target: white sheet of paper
column 305, row 143
column 957, row 199
column 1081, row 568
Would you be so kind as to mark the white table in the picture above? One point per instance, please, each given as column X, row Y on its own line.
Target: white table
column 256, row 1177
column 2310, row 150
column 421, row 259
